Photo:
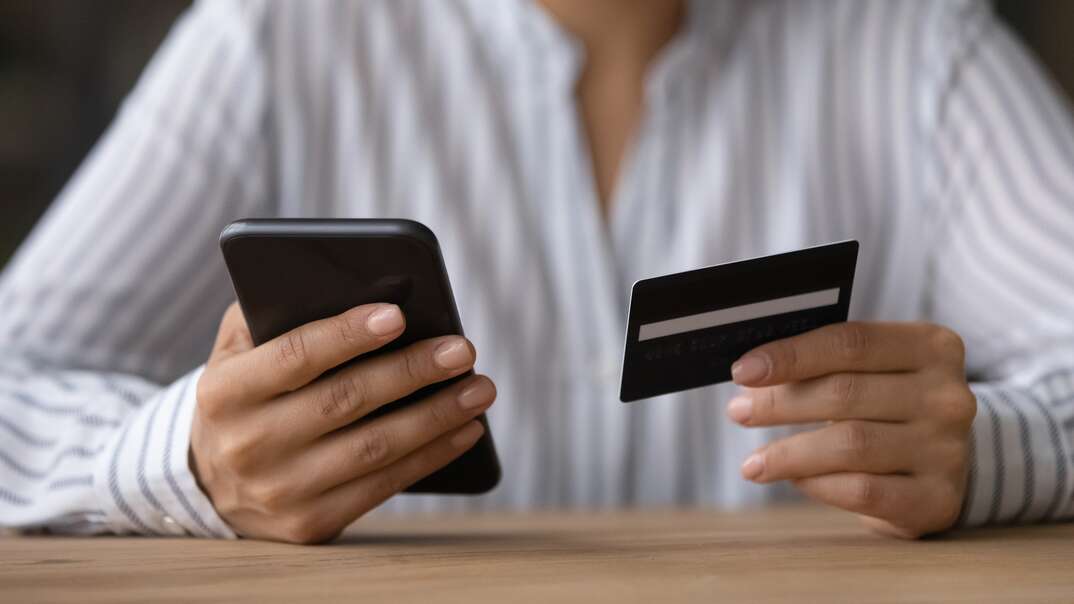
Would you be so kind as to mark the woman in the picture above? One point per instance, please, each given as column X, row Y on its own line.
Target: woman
column 559, row 150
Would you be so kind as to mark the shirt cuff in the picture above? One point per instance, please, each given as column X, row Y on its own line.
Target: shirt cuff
column 144, row 481
column 1020, row 468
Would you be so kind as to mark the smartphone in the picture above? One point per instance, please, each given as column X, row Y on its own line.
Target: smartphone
column 289, row 272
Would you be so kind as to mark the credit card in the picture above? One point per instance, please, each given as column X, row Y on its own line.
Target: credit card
column 685, row 330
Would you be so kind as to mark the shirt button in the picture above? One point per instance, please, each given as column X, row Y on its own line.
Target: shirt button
column 172, row 527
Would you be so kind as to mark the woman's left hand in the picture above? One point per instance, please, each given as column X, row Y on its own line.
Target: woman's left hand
column 899, row 411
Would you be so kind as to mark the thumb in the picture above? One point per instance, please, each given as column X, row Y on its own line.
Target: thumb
column 233, row 337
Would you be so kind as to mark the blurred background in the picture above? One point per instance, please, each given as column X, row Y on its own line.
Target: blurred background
column 65, row 65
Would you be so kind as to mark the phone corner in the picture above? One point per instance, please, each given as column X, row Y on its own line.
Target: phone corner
column 233, row 230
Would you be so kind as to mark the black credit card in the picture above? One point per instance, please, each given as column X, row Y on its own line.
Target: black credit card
column 685, row 330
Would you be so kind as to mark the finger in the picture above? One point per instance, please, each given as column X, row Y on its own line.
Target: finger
column 850, row 446
column 849, row 347
column 348, row 395
column 233, row 336
column 341, row 506
column 839, row 396
column 903, row 506
column 299, row 356
column 348, row 454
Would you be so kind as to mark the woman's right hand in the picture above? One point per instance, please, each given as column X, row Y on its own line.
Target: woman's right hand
column 280, row 450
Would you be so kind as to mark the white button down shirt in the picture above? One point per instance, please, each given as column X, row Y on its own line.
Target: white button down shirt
column 921, row 129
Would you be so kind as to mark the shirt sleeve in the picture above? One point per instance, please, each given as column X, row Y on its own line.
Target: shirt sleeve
column 1003, row 270
column 111, row 304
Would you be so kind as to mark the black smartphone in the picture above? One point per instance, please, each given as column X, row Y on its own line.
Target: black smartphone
column 288, row 272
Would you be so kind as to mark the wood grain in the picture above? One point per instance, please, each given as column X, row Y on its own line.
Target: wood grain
column 795, row 553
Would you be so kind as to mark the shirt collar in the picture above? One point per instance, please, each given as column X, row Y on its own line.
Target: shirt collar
column 504, row 25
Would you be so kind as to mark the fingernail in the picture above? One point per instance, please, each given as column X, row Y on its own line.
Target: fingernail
column 749, row 368
column 476, row 395
column 453, row 354
column 753, row 466
column 740, row 408
column 468, row 435
column 385, row 321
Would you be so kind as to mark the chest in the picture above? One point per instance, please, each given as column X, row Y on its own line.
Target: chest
column 492, row 154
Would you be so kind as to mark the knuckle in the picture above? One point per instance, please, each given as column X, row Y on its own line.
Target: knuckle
column 237, row 454
column 844, row 389
column 227, row 500
column 443, row 417
column 372, row 446
column 349, row 329
column 959, row 406
column 776, row 459
column 967, row 406
column 948, row 343
column 342, row 397
column 207, row 393
column 765, row 406
column 789, row 358
column 856, row 438
column 270, row 497
column 865, row 492
column 414, row 365
column 954, row 457
column 291, row 351
column 852, row 340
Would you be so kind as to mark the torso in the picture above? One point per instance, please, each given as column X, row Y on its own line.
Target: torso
column 465, row 118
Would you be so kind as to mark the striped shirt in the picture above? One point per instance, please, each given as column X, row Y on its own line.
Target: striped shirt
column 922, row 129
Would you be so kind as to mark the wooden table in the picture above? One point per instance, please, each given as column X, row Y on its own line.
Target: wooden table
column 794, row 553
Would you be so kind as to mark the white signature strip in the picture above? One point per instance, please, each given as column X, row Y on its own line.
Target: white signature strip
column 734, row 314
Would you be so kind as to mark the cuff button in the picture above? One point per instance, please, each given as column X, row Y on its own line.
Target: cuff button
column 172, row 527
